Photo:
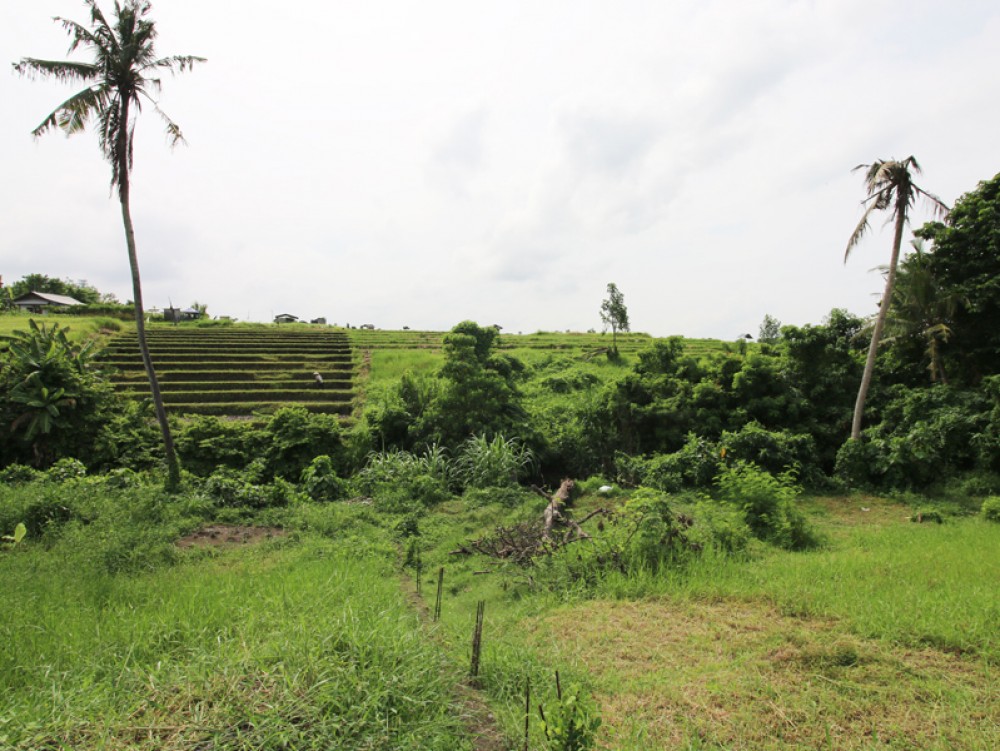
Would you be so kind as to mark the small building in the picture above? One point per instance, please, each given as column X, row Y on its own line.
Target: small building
column 37, row 302
column 176, row 315
column 285, row 318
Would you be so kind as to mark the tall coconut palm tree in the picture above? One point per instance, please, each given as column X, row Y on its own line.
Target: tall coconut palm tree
column 890, row 188
column 122, row 75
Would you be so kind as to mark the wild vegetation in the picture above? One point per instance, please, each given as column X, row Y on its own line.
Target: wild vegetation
column 647, row 542
column 730, row 569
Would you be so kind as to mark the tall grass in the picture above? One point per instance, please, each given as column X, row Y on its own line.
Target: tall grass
column 918, row 585
column 299, row 643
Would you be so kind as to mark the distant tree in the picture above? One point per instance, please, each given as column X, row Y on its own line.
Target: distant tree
column 770, row 330
column 614, row 313
column 123, row 73
column 890, row 188
column 965, row 264
column 81, row 290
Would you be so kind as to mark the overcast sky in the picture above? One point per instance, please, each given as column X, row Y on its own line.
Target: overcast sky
column 421, row 163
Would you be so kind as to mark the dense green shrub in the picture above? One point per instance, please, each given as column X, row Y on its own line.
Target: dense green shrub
column 230, row 488
column 695, row 465
column 653, row 534
column 401, row 482
column 321, row 483
column 496, row 463
column 773, row 450
column 206, row 443
column 769, row 504
column 19, row 474
column 294, row 436
column 991, row 509
column 66, row 469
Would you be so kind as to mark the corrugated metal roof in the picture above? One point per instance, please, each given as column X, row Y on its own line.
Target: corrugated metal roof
column 47, row 297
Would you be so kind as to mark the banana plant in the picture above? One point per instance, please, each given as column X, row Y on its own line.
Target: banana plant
column 43, row 406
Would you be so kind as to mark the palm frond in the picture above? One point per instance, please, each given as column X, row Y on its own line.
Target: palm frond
column 72, row 115
column 173, row 130
column 79, row 34
column 860, row 230
column 177, row 63
column 62, row 70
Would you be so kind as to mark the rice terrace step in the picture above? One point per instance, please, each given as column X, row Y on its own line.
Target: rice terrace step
column 238, row 370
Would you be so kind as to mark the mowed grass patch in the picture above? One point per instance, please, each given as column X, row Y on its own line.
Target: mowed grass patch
column 680, row 673
column 81, row 328
column 302, row 644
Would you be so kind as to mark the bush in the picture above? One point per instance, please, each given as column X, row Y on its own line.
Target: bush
column 991, row 509
column 855, row 464
column 320, row 481
column 19, row 474
column 207, row 443
column 498, row 463
column 65, row 470
column 570, row 722
column 768, row 503
column 719, row 526
column 231, row 488
column 772, row 450
column 694, row 466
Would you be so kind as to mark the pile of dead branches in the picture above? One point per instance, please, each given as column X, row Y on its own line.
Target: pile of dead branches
column 523, row 543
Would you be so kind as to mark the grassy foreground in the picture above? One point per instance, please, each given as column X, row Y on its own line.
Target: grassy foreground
column 113, row 637
column 886, row 637
column 303, row 642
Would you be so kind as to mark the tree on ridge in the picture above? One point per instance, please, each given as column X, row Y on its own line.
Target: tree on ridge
column 122, row 74
column 890, row 188
column 614, row 314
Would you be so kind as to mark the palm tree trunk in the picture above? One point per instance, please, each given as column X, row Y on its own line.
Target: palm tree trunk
column 883, row 311
column 173, row 467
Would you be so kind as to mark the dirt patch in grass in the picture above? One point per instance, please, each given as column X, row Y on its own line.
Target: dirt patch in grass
column 222, row 535
column 741, row 675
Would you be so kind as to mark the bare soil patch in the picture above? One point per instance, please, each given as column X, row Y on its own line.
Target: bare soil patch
column 224, row 535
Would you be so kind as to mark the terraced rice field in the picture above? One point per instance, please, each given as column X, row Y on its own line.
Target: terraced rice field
column 239, row 370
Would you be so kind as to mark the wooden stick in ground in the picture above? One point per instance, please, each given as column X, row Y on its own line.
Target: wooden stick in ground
column 437, row 601
column 527, row 710
column 477, row 639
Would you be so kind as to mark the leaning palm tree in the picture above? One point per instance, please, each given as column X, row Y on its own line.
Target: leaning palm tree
column 121, row 76
column 890, row 188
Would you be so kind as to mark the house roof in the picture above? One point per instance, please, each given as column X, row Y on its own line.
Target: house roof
column 34, row 298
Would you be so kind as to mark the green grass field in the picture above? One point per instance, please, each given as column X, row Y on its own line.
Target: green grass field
column 301, row 641
column 888, row 636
